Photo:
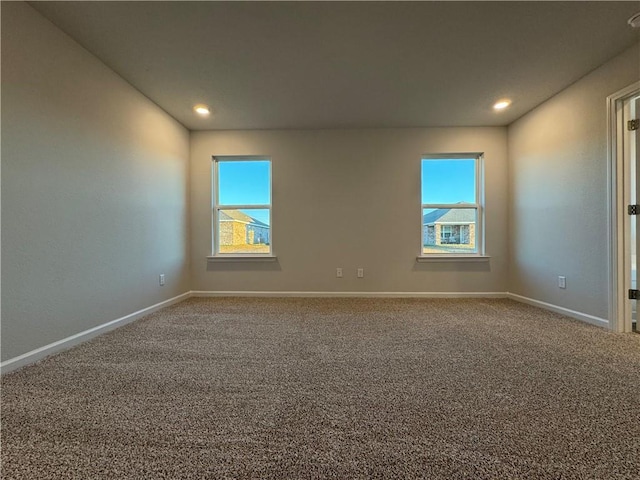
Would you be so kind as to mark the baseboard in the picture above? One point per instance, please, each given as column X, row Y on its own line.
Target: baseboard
column 201, row 293
column 55, row 347
column 600, row 322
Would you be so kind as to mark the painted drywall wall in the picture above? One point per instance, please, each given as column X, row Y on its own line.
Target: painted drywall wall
column 94, row 190
column 558, row 192
column 350, row 199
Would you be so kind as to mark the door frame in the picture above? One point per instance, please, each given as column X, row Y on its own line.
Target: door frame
column 619, row 320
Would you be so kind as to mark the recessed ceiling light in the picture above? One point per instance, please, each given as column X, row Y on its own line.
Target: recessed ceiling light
column 634, row 21
column 201, row 110
column 502, row 104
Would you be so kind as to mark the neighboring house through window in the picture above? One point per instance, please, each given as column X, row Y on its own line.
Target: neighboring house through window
column 241, row 206
column 451, row 204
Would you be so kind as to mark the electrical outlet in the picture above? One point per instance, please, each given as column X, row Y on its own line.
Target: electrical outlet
column 161, row 279
column 339, row 272
column 360, row 272
column 562, row 282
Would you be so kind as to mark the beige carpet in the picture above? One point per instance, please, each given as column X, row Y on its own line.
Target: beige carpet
column 332, row 388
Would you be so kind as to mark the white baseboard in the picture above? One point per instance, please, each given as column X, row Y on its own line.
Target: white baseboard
column 201, row 293
column 600, row 322
column 55, row 347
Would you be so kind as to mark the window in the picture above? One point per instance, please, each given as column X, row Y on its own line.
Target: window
column 241, row 206
column 451, row 205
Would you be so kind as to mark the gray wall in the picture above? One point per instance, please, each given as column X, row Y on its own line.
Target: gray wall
column 94, row 190
column 558, row 192
column 95, row 196
column 349, row 198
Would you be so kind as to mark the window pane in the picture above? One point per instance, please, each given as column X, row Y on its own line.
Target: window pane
column 244, row 182
column 244, row 231
column 449, row 230
column 448, row 181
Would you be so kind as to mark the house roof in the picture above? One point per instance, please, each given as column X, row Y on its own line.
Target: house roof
column 450, row 215
column 238, row 216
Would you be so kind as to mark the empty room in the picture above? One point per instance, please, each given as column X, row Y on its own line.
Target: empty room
column 287, row 240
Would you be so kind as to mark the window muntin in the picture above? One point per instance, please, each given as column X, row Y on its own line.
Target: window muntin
column 242, row 206
column 451, row 205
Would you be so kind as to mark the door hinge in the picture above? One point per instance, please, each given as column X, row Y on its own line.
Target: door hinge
column 633, row 124
column 634, row 294
column 633, row 209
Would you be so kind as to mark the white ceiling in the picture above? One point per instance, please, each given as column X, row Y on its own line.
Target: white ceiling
column 348, row 64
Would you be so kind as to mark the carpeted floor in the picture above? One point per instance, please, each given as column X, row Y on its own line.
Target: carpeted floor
column 332, row 388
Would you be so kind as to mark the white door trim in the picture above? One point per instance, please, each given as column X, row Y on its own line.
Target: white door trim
column 616, row 210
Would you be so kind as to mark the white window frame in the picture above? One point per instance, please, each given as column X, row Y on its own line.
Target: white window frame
column 478, row 206
column 442, row 232
column 216, row 207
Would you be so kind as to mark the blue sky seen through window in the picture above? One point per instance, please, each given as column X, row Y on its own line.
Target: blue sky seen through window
column 448, row 181
column 245, row 183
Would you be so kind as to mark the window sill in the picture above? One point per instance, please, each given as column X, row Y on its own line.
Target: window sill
column 242, row 258
column 453, row 258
